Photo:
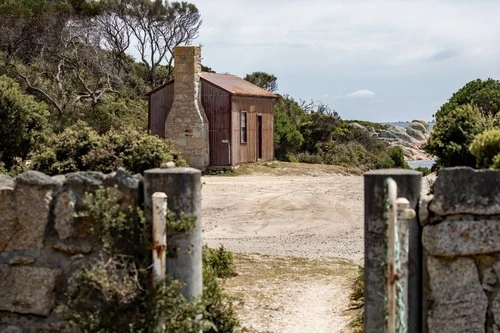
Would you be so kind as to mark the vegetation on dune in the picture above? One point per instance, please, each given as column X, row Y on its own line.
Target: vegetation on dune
column 314, row 133
column 470, row 111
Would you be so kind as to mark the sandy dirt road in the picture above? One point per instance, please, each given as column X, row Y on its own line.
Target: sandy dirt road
column 304, row 216
column 289, row 233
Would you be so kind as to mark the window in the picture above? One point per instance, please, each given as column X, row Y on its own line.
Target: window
column 243, row 126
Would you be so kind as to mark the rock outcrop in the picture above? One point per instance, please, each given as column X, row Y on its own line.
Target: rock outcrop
column 411, row 138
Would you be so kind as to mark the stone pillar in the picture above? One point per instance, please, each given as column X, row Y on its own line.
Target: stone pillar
column 187, row 124
column 409, row 186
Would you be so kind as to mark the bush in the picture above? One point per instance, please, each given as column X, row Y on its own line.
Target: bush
column 107, row 114
column 308, row 158
column 219, row 310
column 357, row 302
column 287, row 138
column 425, row 171
column 116, row 293
column 452, row 135
column 396, row 154
column 23, row 124
column 80, row 148
column 220, row 261
column 486, row 148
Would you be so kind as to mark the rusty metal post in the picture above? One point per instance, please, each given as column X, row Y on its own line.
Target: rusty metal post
column 159, row 235
column 183, row 189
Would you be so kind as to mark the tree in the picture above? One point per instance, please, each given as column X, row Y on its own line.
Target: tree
column 158, row 29
column 483, row 94
column 76, row 70
column 24, row 123
column 320, row 123
column 264, row 80
column 452, row 135
column 287, row 118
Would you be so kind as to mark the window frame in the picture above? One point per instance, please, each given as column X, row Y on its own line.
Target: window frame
column 243, row 126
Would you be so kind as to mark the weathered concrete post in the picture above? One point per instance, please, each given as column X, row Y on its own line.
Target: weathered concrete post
column 183, row 189
column 409, row 185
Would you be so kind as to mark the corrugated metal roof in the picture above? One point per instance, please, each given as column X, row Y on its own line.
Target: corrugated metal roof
column 236, row 85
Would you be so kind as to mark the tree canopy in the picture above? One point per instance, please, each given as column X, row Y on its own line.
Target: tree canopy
column 264, row 80
column 469, row 111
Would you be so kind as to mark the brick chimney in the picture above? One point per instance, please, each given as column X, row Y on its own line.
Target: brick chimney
column 187, row 125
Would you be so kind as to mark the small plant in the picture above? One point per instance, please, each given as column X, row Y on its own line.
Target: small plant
column 180, row 222
column 220, row 261
column 357, row 302
column 425, row 171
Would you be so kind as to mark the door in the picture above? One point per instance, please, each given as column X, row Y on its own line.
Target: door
column 259, row 137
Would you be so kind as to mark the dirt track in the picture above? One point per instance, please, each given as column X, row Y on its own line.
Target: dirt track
column 303, row 216
column 280, row 218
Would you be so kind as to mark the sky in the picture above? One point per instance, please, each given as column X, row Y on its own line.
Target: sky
column 375, row 60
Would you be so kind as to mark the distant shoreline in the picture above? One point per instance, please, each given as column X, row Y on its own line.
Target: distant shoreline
column 421, row 163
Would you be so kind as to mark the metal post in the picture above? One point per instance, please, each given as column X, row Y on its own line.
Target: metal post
column 409, row 186
column 183, row 188
column 159, row 247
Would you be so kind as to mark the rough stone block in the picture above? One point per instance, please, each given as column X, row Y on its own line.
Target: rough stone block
column 26, row 221
column 461, row 238
column 82, row 182
column 28, row 290
column 64, row 211
column 8, row 216
column 495, row 310
column 456, row 300
column 11, row 329
column 463, row 190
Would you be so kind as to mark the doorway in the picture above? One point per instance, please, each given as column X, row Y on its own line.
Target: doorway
column 259, row 137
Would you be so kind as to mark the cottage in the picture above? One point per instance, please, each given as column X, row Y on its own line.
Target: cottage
column 238, row 115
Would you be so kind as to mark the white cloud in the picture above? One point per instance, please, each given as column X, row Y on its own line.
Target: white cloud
column 412, row 51
column 361, row 94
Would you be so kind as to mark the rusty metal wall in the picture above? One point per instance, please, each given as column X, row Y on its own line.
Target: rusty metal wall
column 217, row 105
column 160, row 102
column 248, row 152
column 223, row 113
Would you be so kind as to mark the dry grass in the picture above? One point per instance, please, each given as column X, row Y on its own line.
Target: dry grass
column 279, row 168
column 267, row 285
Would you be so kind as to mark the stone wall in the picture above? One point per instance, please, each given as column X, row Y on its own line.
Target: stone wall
column 187, row 124
column 43, row 244
column 461, row 241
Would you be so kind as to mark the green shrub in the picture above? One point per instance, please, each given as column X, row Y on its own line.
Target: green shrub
column 397, row 156
column 107, row 114
column 486, row 147
column 116, row 293
column 220, row 261
column 425, row 171
column 23, row 123
column 357, row 302
column 80, row 148
column 452, row 135
column 308, row 158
